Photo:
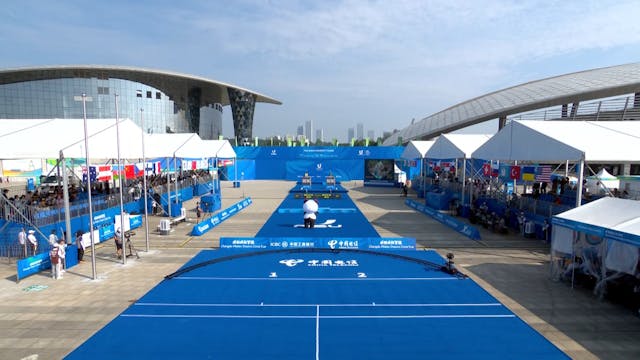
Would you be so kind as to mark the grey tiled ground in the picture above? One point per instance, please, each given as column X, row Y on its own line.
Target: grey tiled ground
column 49, row 323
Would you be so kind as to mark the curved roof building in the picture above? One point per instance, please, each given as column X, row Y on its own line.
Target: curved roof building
column 558, row 90
column 168, row 101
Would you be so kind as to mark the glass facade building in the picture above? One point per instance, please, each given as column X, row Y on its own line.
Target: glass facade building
column 169, row 102
column 54, row 98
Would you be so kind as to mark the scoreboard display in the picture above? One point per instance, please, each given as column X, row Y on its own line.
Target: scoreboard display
column 325, row 196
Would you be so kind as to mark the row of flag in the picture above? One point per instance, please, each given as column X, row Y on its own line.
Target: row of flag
column 110, row 172
column 515, row 172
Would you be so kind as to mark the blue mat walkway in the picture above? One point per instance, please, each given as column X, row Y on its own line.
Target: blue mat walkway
column 317, row 305
column 338, row 216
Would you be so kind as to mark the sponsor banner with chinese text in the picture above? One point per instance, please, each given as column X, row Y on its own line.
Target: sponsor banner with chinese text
column 323, row 243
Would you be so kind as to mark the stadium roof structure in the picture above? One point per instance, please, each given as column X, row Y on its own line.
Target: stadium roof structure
column 558, row 90
column 169, row 82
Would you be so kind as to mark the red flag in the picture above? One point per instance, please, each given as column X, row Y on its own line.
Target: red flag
column 193, row 165
column 515, row 172
column 129, row 171
column 486, row 169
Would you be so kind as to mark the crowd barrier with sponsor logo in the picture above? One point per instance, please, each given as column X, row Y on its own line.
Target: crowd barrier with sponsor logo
column 216, row 219
column 450, row 221
column 266, row 243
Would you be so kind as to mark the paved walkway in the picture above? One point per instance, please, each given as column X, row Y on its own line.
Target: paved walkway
column 41, row 318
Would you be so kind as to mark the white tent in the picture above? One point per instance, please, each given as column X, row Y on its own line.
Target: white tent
column 601, row 182
column 456, row 146
column 605, row 231
column 560, row 141
column 221, row 148
column 416, row 149
column 40, row 139
column 170, row 145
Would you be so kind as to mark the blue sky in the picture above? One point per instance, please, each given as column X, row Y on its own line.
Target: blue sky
column 336, row 63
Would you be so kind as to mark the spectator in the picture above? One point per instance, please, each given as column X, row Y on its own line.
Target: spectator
column 521, row 222
column 53, row 238
column 80, row 245
column 198, row 211
column 34, row 242
column 22, row 240
column 57, row 255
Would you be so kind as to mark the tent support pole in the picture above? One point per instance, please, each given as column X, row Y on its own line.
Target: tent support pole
column 65, row 194
column 121, row 225
column 144, row 186
column 168, row 189
column 580, row 179
column 464, row 179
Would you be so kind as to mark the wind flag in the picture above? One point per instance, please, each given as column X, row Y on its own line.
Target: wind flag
column 515, row 173
column 543, row 173
column 528, row 173
column 486, row 169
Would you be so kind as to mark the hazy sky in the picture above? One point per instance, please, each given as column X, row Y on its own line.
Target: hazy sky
column 336, row 63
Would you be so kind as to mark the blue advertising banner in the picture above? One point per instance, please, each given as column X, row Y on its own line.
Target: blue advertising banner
column 223, row 215
column 457, row 225
column 33, row 265
column 323, row 243
column 318, row 152
column 135, row 221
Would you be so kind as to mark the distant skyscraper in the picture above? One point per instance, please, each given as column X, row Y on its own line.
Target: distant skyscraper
column 360, row 131
column 308, row 130
column 351, row 134
column 319, row 135
column 300, row 130
column 370, row 134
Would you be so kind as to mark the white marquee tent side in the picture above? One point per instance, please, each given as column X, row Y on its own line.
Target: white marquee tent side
column 416, row 150
column 459, row 147
column 604, row 235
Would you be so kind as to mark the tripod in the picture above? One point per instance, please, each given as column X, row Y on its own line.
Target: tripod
column 132, row 249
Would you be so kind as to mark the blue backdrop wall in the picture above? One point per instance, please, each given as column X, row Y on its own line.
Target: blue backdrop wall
column 289, row 163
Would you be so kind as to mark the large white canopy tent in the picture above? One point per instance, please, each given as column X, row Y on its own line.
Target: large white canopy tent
column 560, row 141
column 31, row 139
column 65, row 138
column 457, row 146
column 416, row 149
column 603, row 232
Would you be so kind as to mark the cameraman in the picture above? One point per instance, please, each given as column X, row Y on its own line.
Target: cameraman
column 118, row 241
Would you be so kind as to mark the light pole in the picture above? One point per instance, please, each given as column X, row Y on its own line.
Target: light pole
column 144, row 184
column 122, row 231
column 84, row 98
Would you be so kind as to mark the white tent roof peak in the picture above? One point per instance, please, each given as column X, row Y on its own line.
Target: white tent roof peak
column 416, row 149
column 603, row 174
column 456, row 146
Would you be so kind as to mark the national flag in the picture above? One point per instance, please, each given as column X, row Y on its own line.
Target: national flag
column 129, row 172
column 515, row 173
column 193, row 165
column 543, row 173
column 528, row 173
column 486, row 169
column 225, row 162
column 104, row 173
